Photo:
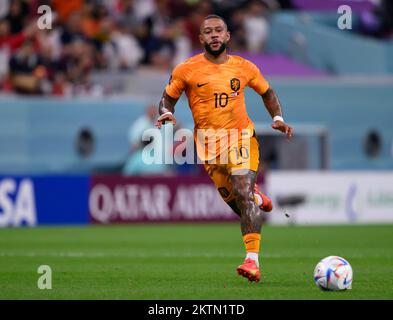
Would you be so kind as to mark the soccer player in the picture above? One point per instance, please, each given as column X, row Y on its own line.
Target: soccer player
column 214, row 83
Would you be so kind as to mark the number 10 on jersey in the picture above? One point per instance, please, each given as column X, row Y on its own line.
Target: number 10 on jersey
column 220, row 100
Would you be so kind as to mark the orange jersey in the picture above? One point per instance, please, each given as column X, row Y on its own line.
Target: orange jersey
column 215, row 92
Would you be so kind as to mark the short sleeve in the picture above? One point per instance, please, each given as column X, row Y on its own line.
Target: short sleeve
column 177, row 82
column 256, row 79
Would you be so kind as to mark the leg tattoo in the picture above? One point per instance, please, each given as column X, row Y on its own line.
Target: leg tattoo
column 251, row 217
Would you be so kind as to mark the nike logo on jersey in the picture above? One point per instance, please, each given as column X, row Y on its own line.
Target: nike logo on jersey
column 201, row 84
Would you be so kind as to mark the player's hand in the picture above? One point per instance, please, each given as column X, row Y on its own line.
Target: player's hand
column 283, row 127
column 168, row 116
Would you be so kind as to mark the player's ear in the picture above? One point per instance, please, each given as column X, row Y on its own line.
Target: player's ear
column 228, row 36
column 201, row 39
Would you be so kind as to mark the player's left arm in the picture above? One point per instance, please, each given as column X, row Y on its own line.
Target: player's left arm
column 261, row 86
column 272, row 104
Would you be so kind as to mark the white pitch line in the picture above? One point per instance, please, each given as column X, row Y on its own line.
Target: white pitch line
column 76, row 254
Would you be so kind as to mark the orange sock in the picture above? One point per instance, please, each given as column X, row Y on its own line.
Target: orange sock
column 252, row 242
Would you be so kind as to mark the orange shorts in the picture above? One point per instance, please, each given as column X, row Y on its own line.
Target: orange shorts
column 243, row 157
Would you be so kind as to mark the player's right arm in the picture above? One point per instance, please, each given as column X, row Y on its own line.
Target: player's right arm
column 171, row 94
column 166, row 108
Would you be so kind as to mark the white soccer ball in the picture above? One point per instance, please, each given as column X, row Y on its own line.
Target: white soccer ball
column 333, row 273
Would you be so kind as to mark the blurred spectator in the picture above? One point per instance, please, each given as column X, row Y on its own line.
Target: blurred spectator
column 372, row 144
column 73, row 29
column 26, row 71
column 4, row 8
column 256, row 26
column 377, row 22
column 8, row 44
column 17, row 15
column 179, row 9
column 61, row 87
column 158, row 50
column 386, row 13
column 136, row 163
column 238, row 31
column 91, row 16
column 183, row 47
column 156, row 37
column 66, row 8
column 286, row 4
column 193, row 22
column 144, row 122
column 125, row 14
column 144, row 8
column 85, row 142
column 123, row 51
column 91, row 35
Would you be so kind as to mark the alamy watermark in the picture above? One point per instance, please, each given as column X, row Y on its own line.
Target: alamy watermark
column 44, row 281
column 223, row 146
column 46, row 17
column 345, row 20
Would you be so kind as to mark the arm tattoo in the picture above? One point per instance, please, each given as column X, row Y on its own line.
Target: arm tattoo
column 167, row 104
column 272, row 103
column 251, row 217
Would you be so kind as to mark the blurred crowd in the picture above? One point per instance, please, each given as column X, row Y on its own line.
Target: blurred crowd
column 121, row 35
column 88, row 35
column 378, row 22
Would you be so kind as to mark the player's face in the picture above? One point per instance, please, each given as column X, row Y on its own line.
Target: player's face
column 214, row 36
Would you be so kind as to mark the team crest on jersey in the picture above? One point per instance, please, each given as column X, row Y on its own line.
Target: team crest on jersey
column 235, row 84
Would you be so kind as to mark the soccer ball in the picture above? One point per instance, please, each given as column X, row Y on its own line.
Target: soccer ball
column 333, row 273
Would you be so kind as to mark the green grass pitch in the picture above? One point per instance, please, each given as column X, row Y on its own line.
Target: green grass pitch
column 190, row 261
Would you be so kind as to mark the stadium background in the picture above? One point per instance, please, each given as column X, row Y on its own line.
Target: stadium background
column 74, row 100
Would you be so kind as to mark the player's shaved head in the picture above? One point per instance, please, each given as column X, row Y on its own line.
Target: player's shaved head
column 213, row 16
